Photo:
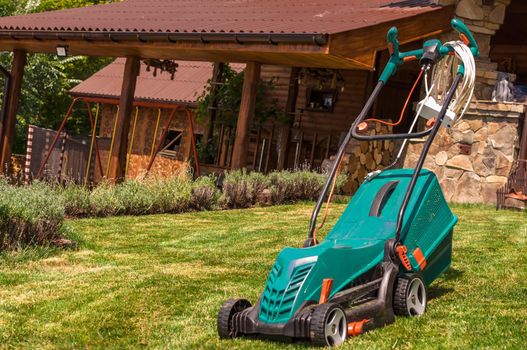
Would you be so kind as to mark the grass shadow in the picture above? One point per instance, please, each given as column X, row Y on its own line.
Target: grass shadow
column 452, row 274
column 437, row 291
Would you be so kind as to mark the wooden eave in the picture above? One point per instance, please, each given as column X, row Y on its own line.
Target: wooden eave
column 354, row 49
column 361, row 45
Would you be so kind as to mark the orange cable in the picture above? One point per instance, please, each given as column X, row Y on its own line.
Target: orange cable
column 404, row 108
column 326, row 210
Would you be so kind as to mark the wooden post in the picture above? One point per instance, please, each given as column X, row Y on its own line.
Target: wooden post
column 268, row 154
column 11, row 111
column 313, row 150
column 285, row 133
column 117, row 167
column 217, row 75
column 247, row 105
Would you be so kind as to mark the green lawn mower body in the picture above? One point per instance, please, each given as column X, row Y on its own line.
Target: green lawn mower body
column 353, row 255
column 393, row 239
column 356, row 243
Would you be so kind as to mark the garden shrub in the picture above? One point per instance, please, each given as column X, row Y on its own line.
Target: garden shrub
column 171, row 196
column 104, row 202
column 241, row 189
column 34, row 214
column 29, row 215
column 76, row 200
column 302, row 185
column 134, row 197
column 205, row 194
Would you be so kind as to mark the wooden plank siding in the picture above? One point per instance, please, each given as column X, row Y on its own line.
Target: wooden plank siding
column 324, row 124
column 280, row 76
column 348, row 105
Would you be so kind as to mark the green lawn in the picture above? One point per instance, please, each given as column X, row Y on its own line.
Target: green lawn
column 157, row 282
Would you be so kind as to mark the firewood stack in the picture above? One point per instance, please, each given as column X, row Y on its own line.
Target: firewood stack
column 363, row 157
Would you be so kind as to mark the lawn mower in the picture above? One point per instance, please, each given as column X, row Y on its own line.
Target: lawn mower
column 393, row 239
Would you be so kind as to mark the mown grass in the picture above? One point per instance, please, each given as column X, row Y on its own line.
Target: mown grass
column 156, row 282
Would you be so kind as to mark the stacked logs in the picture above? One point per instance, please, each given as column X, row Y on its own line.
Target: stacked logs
column 364, row 157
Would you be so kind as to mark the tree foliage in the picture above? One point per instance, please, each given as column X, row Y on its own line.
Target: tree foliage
column 228, row 97
column 48, row 78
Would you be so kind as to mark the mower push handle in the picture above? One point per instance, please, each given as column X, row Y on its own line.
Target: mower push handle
column 463, row 30
column 398, row 58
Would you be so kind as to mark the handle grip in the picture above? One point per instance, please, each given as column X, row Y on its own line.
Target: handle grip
column 398, row 58
column 393, row 42
column 463, row 30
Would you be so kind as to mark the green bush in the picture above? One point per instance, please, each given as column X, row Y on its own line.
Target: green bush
column 132, row 198
column 241, row 189
column 140, row 197
column 104, row 202
column 34, row 214
column 29, row 215
column 204, row 194
column 293, row 186
column 172, row 196
column 76, row 200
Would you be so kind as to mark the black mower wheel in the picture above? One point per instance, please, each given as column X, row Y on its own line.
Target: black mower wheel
column 228, row 309
column 328, row 325
column 409, row 297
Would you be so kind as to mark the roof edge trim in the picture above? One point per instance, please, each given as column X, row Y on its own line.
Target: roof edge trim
column 239, row 38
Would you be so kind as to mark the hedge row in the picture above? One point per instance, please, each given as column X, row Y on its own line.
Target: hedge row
column 34, row 214
column 29, row 215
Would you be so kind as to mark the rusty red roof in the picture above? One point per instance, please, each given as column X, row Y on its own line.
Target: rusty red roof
column 189, row 82
column 221, row 16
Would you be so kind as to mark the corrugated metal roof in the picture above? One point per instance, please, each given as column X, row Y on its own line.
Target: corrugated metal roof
column 189, row 82
column 221, row 16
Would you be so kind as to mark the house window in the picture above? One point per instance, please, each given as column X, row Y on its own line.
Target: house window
column 199, row 140
column 172, row 142
column 322, row 100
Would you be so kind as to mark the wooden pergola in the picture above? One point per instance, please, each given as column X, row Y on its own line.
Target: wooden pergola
column 344, row 34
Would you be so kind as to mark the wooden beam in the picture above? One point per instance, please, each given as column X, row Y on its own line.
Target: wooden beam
column 301, row 55
column 361, row 44
column 290, row 108
column 118, row 156
column 247, row 105
column 11, row 109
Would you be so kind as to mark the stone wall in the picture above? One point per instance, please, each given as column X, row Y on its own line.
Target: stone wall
column 483, row 21
column 473, row 158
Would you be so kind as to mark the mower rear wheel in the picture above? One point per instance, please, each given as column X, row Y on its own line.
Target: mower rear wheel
column 227, row 311
column 409, row 298
column 328, row 325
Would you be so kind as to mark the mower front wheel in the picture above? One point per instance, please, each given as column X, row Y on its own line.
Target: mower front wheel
column 409, row 298
column 328, row 325
column 227, row 311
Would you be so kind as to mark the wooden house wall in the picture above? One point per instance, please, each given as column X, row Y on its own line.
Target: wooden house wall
column 316, row 135
column 348, row 104
column 144, row 139
column 280, row 77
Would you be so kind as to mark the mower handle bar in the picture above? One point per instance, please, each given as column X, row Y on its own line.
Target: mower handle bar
column 396, row 59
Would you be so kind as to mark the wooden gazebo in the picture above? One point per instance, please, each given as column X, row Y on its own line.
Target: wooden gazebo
column 342, row 34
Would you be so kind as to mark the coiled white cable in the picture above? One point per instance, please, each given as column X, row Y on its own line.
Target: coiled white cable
column 465, row 91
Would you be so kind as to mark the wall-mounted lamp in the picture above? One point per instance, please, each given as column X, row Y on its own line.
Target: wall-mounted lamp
column 62, row 51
